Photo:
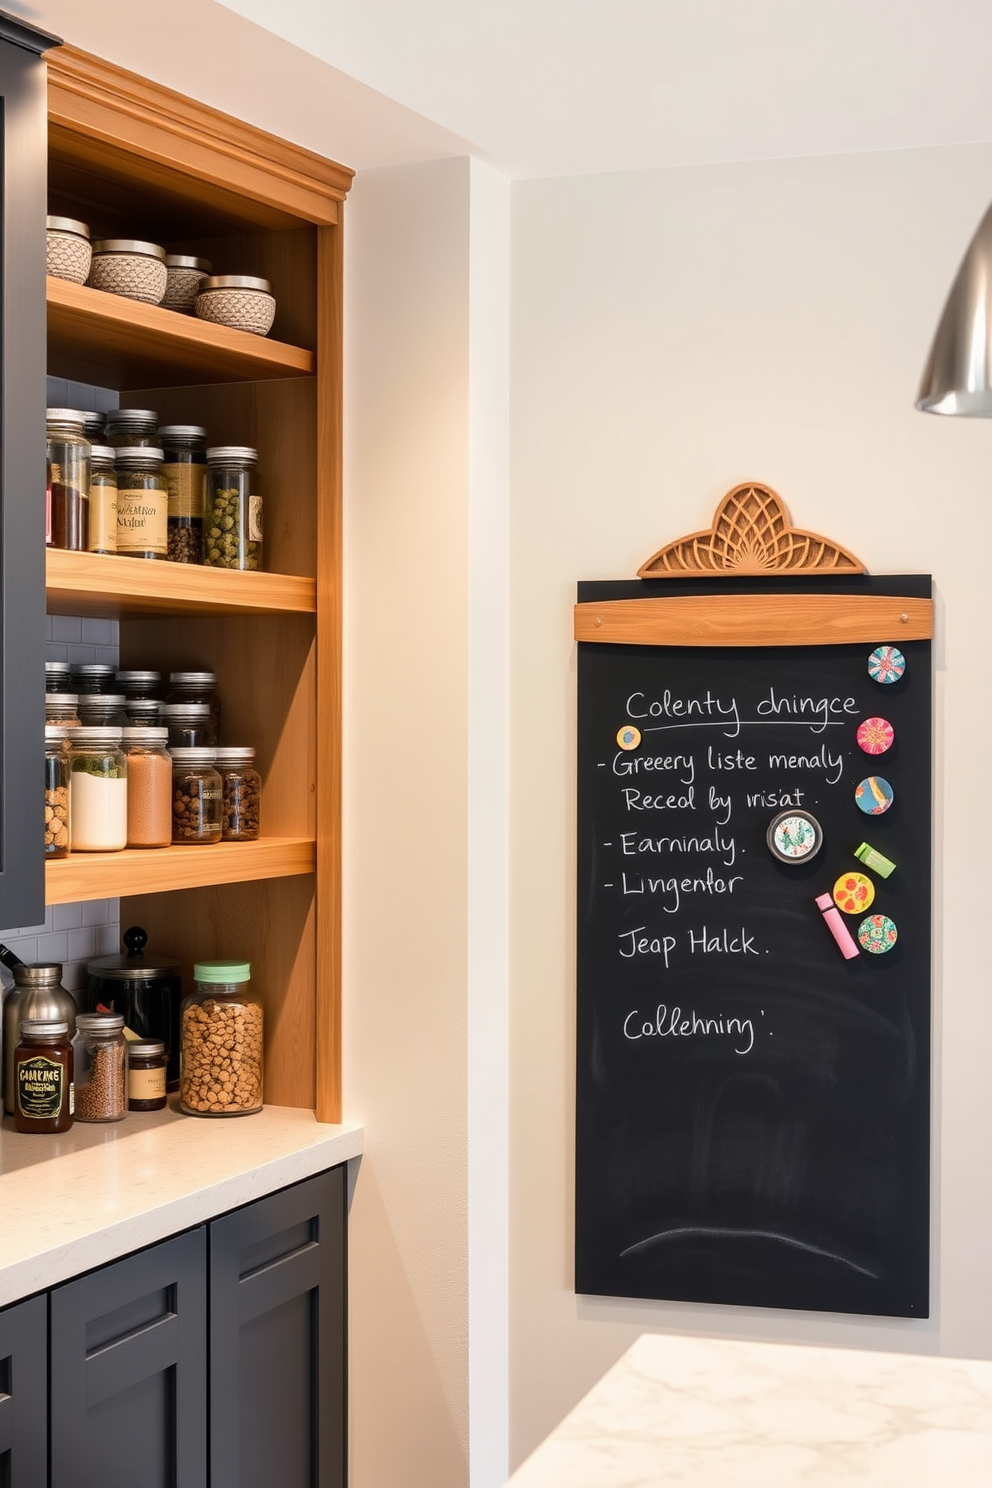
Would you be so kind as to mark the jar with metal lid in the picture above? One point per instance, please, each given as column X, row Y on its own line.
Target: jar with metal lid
column 37, row 993
column 241, row 786
column 98, row 791
column 93, row 677
column 142, row 503
column 102, row 710
column 43, row 1077
column 190, row 725
column 232, row 522
column 146, row 1069
column 149, row 787
column 185, row 471
column 58, row 676
column 103, row 500
column 237, row 300
column 129, row 267
column 145, row 989
column 196, row 797
column 93, row 426
column 57, row 840
column 99, row 1058
column 222, row 1025
column 140, row 686
column 68, row 495
column 184, row 278
column 68, row 250
column 144, row 711
column 196, row 687
column 132, row 428
column 63, row 708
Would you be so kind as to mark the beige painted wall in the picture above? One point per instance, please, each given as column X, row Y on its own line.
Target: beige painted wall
column 673, row 333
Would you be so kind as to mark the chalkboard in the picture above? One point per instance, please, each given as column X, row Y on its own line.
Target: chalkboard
column 753, row 1110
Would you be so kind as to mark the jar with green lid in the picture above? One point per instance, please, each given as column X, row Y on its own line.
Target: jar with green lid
column 241, row 785
column 142, row 503
column 132, row 427
column 185, row 471
column 57, row 839
column 98, row 790
column 196, row 687
column 103, row 500
column 196, row 797
column 62, row 707
column 99, row 1059
column 232, row 523
column 190, row 725
column 67, row 497
column 222, row 1027
column 146, row 1071
column 43, row 1077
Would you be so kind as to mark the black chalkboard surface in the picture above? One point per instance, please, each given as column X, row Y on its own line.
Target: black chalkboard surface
column 753, row 1111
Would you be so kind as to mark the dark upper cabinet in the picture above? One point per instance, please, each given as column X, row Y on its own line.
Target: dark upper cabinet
column 277, row 1339
column 24, row 1395
column 129, row 1372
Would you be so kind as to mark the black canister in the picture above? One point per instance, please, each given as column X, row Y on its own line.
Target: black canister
column 146, row 990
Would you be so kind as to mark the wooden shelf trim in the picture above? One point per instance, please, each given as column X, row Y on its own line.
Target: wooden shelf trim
column 94, row 585
column 159, row 870
column 756, row 620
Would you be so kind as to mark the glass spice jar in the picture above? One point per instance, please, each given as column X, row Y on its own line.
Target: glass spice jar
column 93, row 426
column 62, row 707
column 43, row 1077
column 241, row 787
column 131, row 428
column 102, row 710
column 185, row 471
column 143, row 712
column 94, row 677
column 57, row 839
column 232, row 519
column 196, row 797
column 222, row 1025
column 142, row 503
column 196, row 687
column 190, row 725
column 68, row 494
column 58, row 676
column 149, row 787
column 140, row 686
column 99, row 1056
column 98, row 790
column 146, row 1066
column 103, row 500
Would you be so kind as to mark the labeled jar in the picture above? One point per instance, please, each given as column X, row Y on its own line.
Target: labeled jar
column 98, row 791
column 146, row 1067
column 129, row 267
column 99, row 1056
column 196, row 687
column 43, row 1077
column 190, row 725
column 58, row 676
column 140, row 686
column 63, row 708
column 94, row 677
column 102, row 710
column 241, row 787
column 221, row 1042
column 57, row 839
column 67, row 498
column 103, row 500
column 132, row 428
column 142, row 503
column 196, row 797
column 232, row 521
column 185, row 471
column 149, row 787
column 184, row 277
column 38, row 993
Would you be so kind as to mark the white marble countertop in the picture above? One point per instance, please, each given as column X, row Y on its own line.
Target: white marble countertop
column 71, row 1202
column 720, row 1414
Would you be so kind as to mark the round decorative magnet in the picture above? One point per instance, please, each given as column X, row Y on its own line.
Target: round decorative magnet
column 628, row 737
column 877, row 933
column 794, row 836
column 874, row 795
column 876, row 735
column 886, row 664
column 854, row 893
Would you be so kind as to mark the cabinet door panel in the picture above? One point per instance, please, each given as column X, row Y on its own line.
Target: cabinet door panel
column 128, row 1372
column 24, row 1395
column 277, row 1340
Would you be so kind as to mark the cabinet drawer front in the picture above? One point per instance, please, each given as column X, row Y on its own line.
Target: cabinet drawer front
column 23, row 1395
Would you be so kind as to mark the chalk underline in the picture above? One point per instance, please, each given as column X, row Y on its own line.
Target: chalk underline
column 719, row 1232
column 657, row 728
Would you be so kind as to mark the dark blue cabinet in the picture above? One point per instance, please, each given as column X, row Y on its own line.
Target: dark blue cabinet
column 24, row 1395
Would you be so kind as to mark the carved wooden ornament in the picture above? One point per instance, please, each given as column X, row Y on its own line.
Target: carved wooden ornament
column 751, row 534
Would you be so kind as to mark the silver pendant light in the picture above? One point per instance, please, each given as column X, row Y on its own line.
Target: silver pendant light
column 958, row 375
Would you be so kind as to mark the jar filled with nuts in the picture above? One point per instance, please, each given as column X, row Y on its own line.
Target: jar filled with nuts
column 232, row 518
column 196, row 797
column 221, row 1042
column 57, row 841
column 241, row 785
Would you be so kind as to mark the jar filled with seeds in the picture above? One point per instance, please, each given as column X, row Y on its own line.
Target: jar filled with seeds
column 146, row 1069
column 42, row 1077
column 221, row 1042
column 232, row 522
column 241, row 785
column 149, row 787
column 103, row 500
column 131, row 428
column 190, row 725
column 185, row 471
column 68, row 493
column 196, row 797
column 142, row 503
column 196, row 687
column 62, row 707
column 57, row 840
column 99, row 1056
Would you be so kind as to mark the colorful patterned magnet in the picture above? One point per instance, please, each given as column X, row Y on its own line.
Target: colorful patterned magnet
column 877, row 933
column 854, row 893
column 794, row 836
column 886, row 664
column 874, row 795
column 876, row 735
column 628, row 737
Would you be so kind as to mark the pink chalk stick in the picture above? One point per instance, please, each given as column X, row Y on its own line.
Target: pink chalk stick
column 845, row 941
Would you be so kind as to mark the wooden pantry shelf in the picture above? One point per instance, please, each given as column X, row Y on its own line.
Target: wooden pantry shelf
column 111, row 341
column 107, row 588
column 159, row 870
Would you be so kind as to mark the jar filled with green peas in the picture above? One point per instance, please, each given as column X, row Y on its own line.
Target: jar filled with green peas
column 232, row 521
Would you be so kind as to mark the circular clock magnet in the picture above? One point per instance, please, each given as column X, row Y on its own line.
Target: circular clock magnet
column 794, row 836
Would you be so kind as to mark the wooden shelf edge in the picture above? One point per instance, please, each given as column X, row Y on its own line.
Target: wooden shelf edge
column 756, row 620
column 160, row 870
column 95, row 585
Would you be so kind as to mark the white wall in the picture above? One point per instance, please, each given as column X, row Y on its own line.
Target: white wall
column 674, row 333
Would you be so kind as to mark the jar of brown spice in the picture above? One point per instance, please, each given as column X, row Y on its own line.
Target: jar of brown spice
column 149, row 787
column 100, row 1058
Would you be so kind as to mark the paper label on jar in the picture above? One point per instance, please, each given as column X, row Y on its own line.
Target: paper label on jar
column 187, row 490
column 254, row 519
column 41, row 1086
column 142, row 521
column 146, row 1084
column 103, row 519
